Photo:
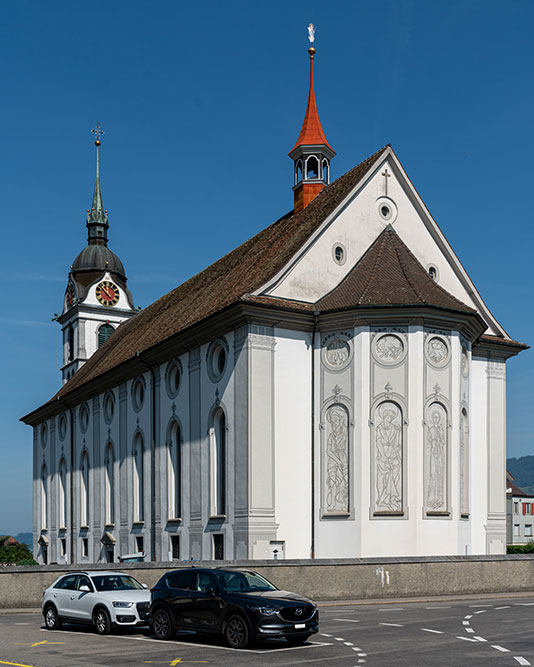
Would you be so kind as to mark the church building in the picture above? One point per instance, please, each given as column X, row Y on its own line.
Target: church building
column 332, row 388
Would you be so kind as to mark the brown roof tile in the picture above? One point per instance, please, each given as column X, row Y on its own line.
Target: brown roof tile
column 389, row 274
column 225, row 282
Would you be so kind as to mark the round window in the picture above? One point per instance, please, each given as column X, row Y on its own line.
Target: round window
column 138, row 394
column 62, row 427
column 216, row 358
column 433, row 272
column 109, row 407
column 84, row 418
column 339, row 254
column 386, row 209
column 44, row 435
column 173, row 377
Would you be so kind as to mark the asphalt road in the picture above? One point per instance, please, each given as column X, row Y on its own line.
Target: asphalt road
column 461, row 633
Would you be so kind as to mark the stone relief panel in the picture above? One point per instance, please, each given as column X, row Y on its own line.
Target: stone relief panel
column 436, row 459
column 389, row 348
column 336, row 460
column 336, row 351
column 464, row 363
column 437, row 351
column 388, row 458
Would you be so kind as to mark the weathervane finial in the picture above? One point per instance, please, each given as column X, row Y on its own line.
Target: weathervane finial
column 311, row 37
column 98, row 132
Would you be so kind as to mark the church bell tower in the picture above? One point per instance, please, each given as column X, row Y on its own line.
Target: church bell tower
column 96, row 299
column 312, row 153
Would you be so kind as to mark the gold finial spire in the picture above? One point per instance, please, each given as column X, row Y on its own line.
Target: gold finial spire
column 98, row 132
column 311, row 37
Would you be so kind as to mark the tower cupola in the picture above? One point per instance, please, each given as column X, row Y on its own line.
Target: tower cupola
column 312, row 153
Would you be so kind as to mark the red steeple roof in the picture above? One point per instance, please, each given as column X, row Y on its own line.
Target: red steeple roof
column 312, row 132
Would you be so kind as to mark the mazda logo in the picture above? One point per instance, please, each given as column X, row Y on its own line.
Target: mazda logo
column 298, row 612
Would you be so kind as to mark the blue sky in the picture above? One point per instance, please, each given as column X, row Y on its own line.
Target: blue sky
column 200, row 103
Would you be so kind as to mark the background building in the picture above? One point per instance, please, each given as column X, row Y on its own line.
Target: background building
column 334, row 387
column 519, row 513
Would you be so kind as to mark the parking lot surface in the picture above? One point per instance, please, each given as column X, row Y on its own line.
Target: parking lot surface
column 464, row 633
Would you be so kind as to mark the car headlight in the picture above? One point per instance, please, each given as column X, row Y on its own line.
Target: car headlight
column 123, row 605
column 268, row 611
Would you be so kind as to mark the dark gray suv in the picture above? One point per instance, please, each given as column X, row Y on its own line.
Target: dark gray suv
column 240, row 604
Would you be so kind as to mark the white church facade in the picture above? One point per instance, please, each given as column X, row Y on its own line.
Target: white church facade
column 332, row 388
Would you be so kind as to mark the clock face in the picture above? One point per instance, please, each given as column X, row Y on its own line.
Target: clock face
column 107, row 293
column 70, row 294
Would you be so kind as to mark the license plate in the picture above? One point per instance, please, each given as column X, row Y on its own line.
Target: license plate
column 299, row 626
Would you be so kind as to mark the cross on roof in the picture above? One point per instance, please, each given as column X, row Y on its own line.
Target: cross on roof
column 97, row 131
column 386, row 175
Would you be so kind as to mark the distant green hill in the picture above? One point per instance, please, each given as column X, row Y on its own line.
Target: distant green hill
column 522, row 469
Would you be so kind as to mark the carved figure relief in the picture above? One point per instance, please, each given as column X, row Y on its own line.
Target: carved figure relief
column 437, row 351
column 337, row 352
column 337, row 460
column 389, row 348
column 388, row 458
column 436, row 452
column 465, row 363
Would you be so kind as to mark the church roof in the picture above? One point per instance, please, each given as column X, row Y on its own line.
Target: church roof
column 389, row 274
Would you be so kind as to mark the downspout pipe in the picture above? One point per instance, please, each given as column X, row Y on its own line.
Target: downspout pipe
column 152, row 460
column 312, row 347
column 71, row 420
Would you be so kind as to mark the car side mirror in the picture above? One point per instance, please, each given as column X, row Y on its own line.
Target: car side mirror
column 144, row 586
column 84, row 589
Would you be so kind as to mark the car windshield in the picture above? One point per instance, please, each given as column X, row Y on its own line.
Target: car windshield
column 116, row 582
column 243, row 582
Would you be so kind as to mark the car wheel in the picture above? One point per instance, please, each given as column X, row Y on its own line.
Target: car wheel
column 102, row 622
column 52, row 621
column 298, row 641
column 236, row 631
column 162, row 624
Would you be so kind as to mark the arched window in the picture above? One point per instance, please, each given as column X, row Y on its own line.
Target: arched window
column 298, row 172
column 138, row 481
column 174, row 465
column 84, row 490
column 218, row 464
column 104, row 332
column 312, row 167
column 70, row 344
column 326, row 174
column 62, row 480
column 109, row 485
column 44, row 497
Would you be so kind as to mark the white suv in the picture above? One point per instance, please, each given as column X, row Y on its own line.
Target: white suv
column 103, row 599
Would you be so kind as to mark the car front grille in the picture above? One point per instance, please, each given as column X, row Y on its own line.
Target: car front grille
column 142, row 609
column 297, row 614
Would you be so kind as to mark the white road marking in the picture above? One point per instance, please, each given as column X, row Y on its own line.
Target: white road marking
column 346, row 620
column 524, row 604
column 507, row 607
column 481, row 611
column 480, row 605
column 521, row 660
column 466, row 639
column 500, row 648
column 349, row 644
column 469, row 616
column 393, row 609
column 439, row 607
column 469, row 630
column 480, row 639
column 465, row 623
column 393, row 625
column 355, row 648
column 325, row 635
column 339, row 639
column 438, row 632
column 362, row 655
column 22, row 624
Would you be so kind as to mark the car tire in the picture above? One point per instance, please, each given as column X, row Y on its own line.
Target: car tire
column 162, row 624
column 298, row 641
column 236, row 631
column 102, row 621
column 51, row 618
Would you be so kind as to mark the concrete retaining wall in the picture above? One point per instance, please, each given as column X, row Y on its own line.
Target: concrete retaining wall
column 319, row 579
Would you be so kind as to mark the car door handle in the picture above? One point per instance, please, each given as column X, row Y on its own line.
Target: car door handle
column 73, row 597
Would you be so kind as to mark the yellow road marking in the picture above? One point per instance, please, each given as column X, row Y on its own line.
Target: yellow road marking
column 36, row 643
column 17, row 664
column 176, row 661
